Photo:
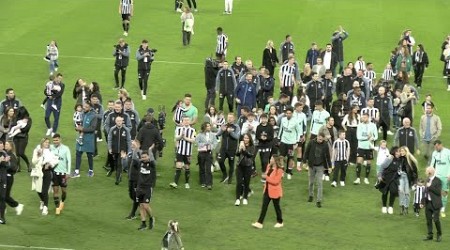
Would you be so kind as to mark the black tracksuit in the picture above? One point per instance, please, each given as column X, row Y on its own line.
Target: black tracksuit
column 122, row 55
column 328, row 92
column 133, row 174
column 4, row 166
column 266, row 89
column 264, row 145
column 382, row 104
column 11, row 171
column 144, row 67
column 149, row 135
column 225, row 85
column 315, row 92
column 211, row 69
column 228, row 149
column 119, row 140
column 344, row 84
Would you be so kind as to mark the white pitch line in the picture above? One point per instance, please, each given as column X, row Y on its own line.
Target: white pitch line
column 94, row 58
column 32, row 247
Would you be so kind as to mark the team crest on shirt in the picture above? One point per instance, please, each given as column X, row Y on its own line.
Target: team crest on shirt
column 385, row 101
column 124, row 133
column 410, row 133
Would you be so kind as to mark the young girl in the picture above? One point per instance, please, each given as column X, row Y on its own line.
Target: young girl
column 172, row 239
column 382, row 154
column 48, row 90
column 78, row 119
column 16, row 129
column 52, row 56
column 418, row 195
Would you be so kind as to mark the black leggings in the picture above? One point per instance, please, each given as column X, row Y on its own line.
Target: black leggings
column 9, row 200
column 143, row 76
column 265, row 204
column 123, row 71
column 243, row 175
column 2, row 195
column 46, row 180
column 21, row 145
column 384, row 198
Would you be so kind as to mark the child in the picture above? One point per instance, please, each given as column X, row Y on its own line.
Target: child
column 16, row 129
column 418, row 195
column 48, row 91
column 427, row 102
column 78, row 119
column 382, row 154
column 388, row 74
column 172, row 239
column 52, row 56
column 220, row 120
column 270, row 102
column 396, row 105
column 178, row 112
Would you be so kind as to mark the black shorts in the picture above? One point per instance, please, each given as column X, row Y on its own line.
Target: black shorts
column 186, row 159
column 59, row 180
column 144, row 195
column 126, row 17
column 366, row 154
column 286, row 150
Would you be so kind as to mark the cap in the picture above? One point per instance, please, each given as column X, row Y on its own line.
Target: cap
column 150, row 110
column 437, row 142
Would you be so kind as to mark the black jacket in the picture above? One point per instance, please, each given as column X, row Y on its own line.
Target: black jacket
column 226, row 81
column 122, row 58
column 119, row 139
column 149, row 135
column 247, row 156
column 344, row 84
column 434, row 190
column 267, row 132
column 317, row 154
column 144, row 62
column 334, row 59
column 229, row 139
column 211, row 69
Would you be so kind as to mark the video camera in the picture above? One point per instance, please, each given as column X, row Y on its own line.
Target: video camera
column 162, row 123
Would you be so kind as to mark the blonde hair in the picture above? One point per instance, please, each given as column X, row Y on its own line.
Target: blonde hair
column 269, row 44
column 409, row 157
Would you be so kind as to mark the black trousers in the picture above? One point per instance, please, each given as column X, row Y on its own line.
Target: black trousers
column 264, row 157
column 350, row 135
column 221, row 159
column 418, row 73
column 384, row 198
column 46, row 181
column 143, row 76
column 9, row 200
column 210, row 98
column 385, row 127
column 289, row 91
column 432, row 215
column 186, row 37
column 116, row 165
column 205, row 162
column 230, row 101
column 132, row 194
column 2, row 195
column 243, row 176
column 265, row 204
column 340, row 167
column 123, row 71
column 21, row 144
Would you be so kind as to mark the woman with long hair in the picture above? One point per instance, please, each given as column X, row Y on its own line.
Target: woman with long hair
column 306, row 75
column 212, row 118
column 42, row 173
column 21, row 139
column 404, row 61
column 13, row 167
column 94, row 89
column 246, row 153
column 407, row 97
column 4, row 165
column 408, row 177
column 273, row 191
column 299, row 95
column 349, row 124
column 420, row 63
column 6, row 122
column 273, row 112
column 270, row 58
column 388, row 180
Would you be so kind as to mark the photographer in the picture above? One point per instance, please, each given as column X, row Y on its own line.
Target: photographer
column 122, row 55
column 145, row 57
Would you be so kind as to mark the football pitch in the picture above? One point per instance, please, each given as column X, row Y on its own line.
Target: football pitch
column 86, row 31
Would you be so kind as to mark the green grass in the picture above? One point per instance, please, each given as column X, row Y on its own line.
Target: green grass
column 86, row 30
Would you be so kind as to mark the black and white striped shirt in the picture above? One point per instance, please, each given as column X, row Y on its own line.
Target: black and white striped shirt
column 418, row 194
column 388, row 75
column 126, row 6
column 287, row 75
column 178, row 115
column 371, row 76
column 371, row 112
column 185, row 147
column 340, row 148
column 222, row 44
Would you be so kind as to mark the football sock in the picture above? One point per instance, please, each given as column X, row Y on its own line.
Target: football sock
column 63, row 196
column 56, row 200
column 358, row 170
column 177, row 175
column 367, row 170
column 187, row 175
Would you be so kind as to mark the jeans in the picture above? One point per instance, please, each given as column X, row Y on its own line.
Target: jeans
column 315, row 173
column 403, row 190
column 53, row 65
column 90, row 157
column 48, row 111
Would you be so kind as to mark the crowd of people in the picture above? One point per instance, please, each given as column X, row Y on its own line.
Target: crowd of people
column 304, row 130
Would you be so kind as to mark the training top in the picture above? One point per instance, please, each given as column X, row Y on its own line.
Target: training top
column 441, row 162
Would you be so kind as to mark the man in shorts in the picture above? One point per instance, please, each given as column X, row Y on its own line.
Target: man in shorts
column 366, row 133
column 144, row 189
column 60, row 172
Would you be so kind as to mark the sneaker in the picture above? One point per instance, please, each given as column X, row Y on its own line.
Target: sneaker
column 45, row 210
column 109, row 173
column 99, row 139
column 224, row 180
column 186, row 185
column 250, row 193
column 55, row 107
column 61, row 205
column 53, row 133
column 41, row 206
column 91, row 173
column 43, row 106
column 49, row 132
column 195, row 10
column 203, row 185
column 319, row 204
column 357, row 181
column 327, row 178
column 448, row 88
column 366, row 181
column 151, row 222
column 57, row 211
column 390, row 210
column 173, row 185
column 237, row 202
column 417, row 214
column 226, row 12
column 142, row 227
column 244, row 202
column 179, row 10
column 209, row 187
column 342, row 183
column 333, row 184
column 384, row 210
column 130, row 217
column 390, row 132
column 125, row 33
column 310, row 199
column 19, row 209
column 289, row 176
column 278, row 225
column 75, row 175
column 2, row 221
column 144, row 97
column 443, row 215
column 257, row 225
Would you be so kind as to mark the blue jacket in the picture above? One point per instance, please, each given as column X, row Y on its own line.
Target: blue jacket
column 246, row 93
column 89, row 127
column 311, row 57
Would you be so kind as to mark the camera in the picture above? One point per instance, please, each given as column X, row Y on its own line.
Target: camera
column 153, row 50
column 162, row 117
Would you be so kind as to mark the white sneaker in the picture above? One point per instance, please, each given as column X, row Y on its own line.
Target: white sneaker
column 43, row 106
column 41, row 205
column 186, row 185
column 278, row 225
column 390, row 210
column 390, row 133
column 237, row 202
column 44, row 210
column 289, row 176
column 52, row 134
column 250, row 193
column 379, row 130
column 125, row 33
column 357, row 181
column 56, row 69
column 384, row 210
column 179, row 10
column 244, row 202
column 173, row 185
column 342, row 183
column 448, row 88
column 333, row 184
column 19, row 209
column 327, row 178
column 144, row 97
column 49, row 132
column 366, row 181
column 257, row 225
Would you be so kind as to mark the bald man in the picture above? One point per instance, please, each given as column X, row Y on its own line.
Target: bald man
column 432, row 203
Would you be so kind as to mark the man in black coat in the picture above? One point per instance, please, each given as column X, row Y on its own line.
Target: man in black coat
column 338, row 46
column 432, row 202
column 211, row 69
column 329, row 58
